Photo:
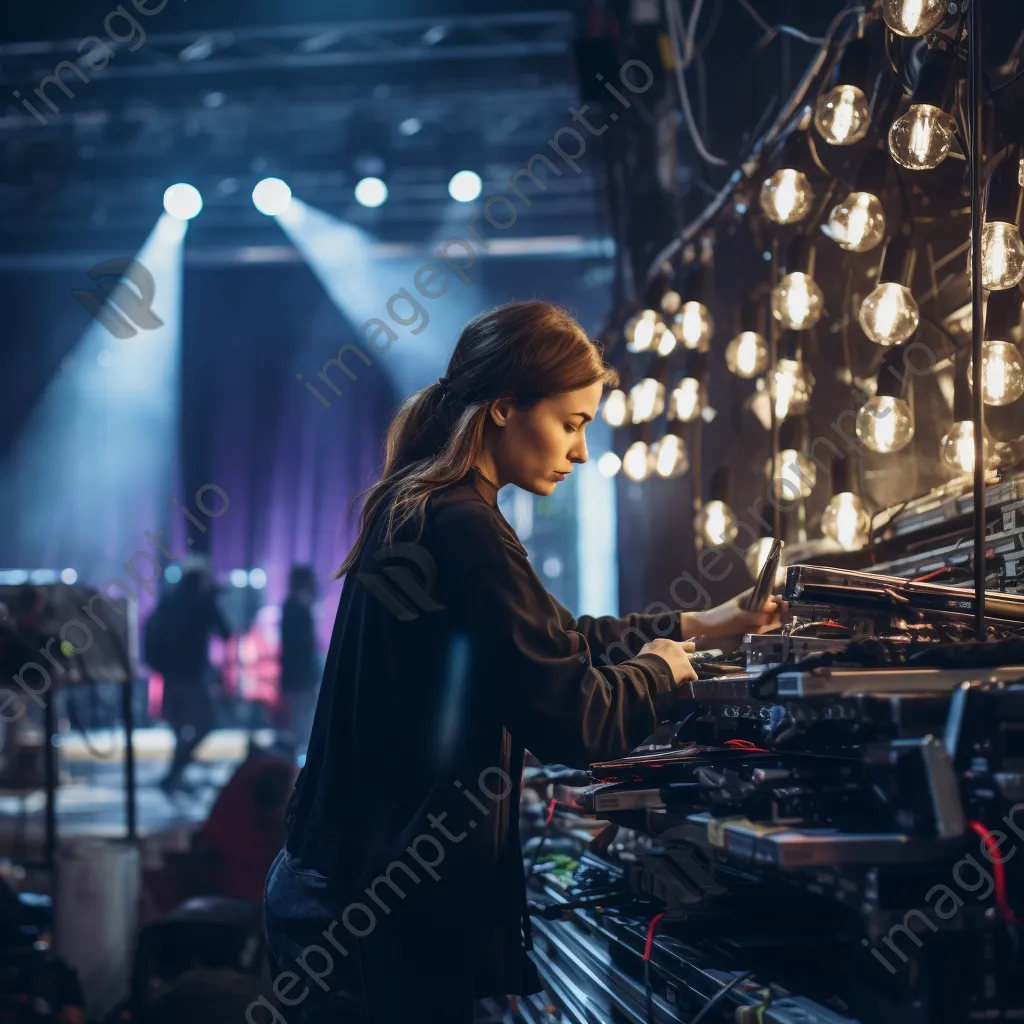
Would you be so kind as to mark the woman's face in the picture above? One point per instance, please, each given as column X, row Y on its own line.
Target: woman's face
column 536, row 448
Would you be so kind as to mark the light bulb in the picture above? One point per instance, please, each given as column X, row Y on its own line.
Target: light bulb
column 757, row 554
column 842, row 115
column 1002, row 256
column 609, row 464
column 958, row 447
column 845, row 521
column 636, row 463
column 718, row 523
column 685, row 401
column 913, row 17
column 747, row 355
column 796, row 475
column 616, row 408
column 786, row 196
column 671, row 301
column 643, row 331
column 885, row 424
column 647, row 400
column 1002, row 373
column 669, row 456
column 666, row 343
column 791, row 388
column 797, row 301
column 920, row 139
column 693, row 325
column 889, row 315
column 857, row 223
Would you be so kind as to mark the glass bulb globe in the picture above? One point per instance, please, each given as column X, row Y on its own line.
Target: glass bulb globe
column 757, row 554
column 885, row 424
column 1002, row 373
column 842, row 115
column 671, row 301
column 636, row 463
column 647, row 400
column 845, row 521
column 643, row 331
column 913, row 17
column 718, row 523
column 747, row 355
column 609, row 464
column 685, row 402
column 797, row 301
column 666, row 343
column 920, row 139
column 958, row 447
column 796, row 475
column 791, row 387
column 858, row 222
column 693, row 325
column 786, row 196
column 616, row 408
column 889, row 315
column 1002, row 256
column 669, row 456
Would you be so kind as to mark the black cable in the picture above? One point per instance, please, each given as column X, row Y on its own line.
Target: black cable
column 719, row 996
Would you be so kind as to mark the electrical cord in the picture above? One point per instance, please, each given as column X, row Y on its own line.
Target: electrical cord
column 719, row 996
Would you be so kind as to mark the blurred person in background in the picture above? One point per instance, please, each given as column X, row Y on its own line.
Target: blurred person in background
column 177, row 644
column 300, row 660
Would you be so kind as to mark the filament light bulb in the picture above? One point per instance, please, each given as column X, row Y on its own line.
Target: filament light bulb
column 643, row 331
column 913, row 17
column 685, row 403
column 791, row 388
column 846, row 521
column 842, row 115
column 669, row 457
column 636, row 463
column 796, row 475
column 1002, row 373
column 797, row 301
column 920, row 139
column 958, row 447
column 616, row 408
column 647, row 400
column 693, row 325
column 717, row 522
column 1002, row 256
column 889, row 315
column 857, row 223
column 786, row 196
column 885, row 424
column 747, row 355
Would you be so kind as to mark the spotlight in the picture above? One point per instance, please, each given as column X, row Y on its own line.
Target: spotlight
column 465, row 186
column 889, row 315
column 371, row 192
column 271, row 196
column 183, row 201
column 920, row 139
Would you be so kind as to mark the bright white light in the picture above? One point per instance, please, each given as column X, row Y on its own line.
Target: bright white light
column 68, row 576
column 272, row 196
column 172, row 574
column 257, row 579
column 609, row 464
column 183, row 201
column 410, row 126
column 465, row 186
column 238, row 577
column 371, row 192
column 552, row 567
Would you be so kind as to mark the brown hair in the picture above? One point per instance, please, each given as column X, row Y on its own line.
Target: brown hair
column 526, row 350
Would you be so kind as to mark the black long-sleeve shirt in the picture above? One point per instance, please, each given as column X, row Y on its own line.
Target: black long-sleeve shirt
column 432, row 689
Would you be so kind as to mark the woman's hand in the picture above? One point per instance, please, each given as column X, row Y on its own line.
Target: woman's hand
column 728, row 623
column 675, row 654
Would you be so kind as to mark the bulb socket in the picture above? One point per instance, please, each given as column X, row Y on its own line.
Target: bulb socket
column 791, row 345
column 695, row 364
column 843, row 474
column 676, row 427
column 934, row 77
column 871, row 174
column 962, row 406
column 697, row 286
column 1002, row 192
column 801, row 255
column 751, row 316
column 1002, row 315
column 898, row 261
column 791, row 152
column 852, row 68
column 720, row 488
column 794, row 433
column 892, row 373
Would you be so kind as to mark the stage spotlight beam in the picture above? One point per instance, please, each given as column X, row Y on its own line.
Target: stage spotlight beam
column 371, row 192
column 183, row 201
column 272, row 196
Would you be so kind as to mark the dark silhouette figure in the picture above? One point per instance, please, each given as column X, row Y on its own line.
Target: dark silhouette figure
column 300, row 660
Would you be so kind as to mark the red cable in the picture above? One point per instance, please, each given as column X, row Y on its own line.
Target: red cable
column 929, row 575
column 551, row 812
column 746, row 745
column 651, row 929
column 998, row 872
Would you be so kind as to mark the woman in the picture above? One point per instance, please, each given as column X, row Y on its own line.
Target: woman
column 400, row 894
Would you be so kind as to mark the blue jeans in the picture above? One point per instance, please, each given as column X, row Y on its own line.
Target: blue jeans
column 324, row 974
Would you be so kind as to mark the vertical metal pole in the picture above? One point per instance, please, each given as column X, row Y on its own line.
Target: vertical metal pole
column 773, row 358
column 976, row 102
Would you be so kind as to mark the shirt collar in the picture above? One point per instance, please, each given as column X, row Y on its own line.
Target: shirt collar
column 484, row 487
